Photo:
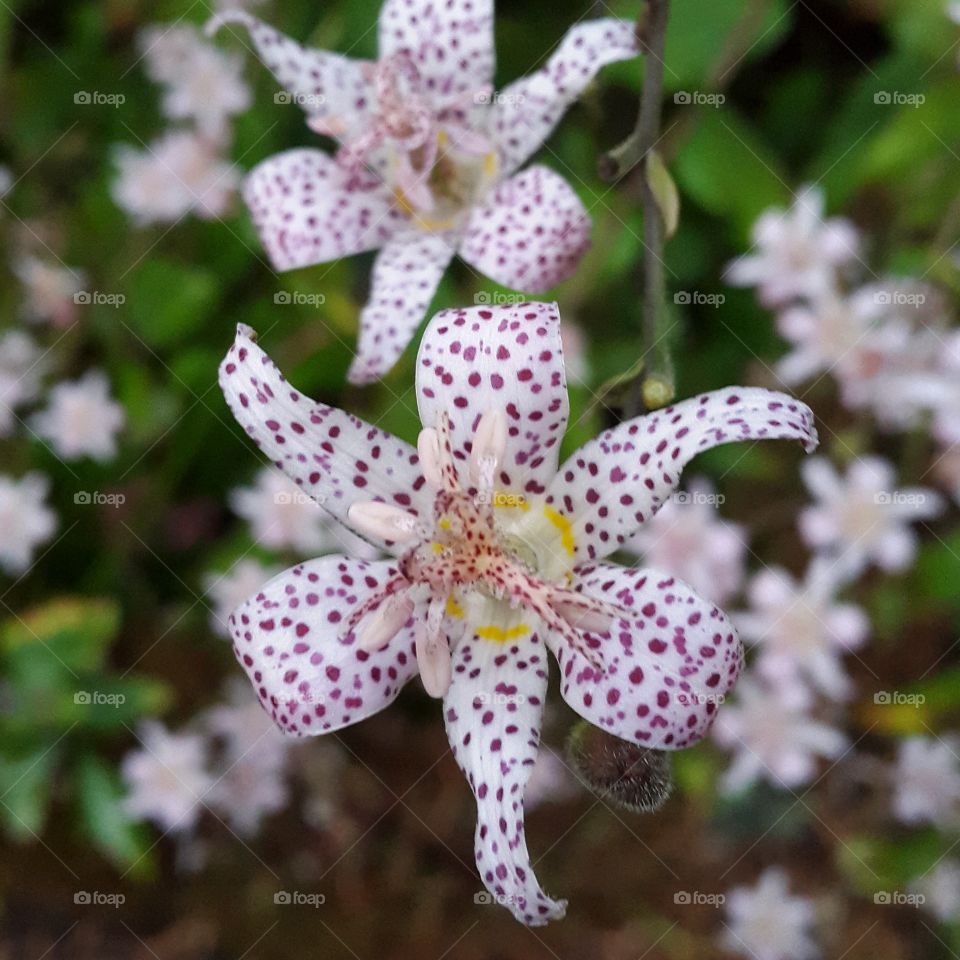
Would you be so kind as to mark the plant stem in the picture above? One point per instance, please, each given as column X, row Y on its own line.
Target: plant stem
column 657, row 388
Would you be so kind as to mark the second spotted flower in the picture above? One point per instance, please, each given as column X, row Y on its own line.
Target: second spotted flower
column 497, row 555
column 427, row 161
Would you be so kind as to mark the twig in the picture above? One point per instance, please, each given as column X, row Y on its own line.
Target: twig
column 657, row 388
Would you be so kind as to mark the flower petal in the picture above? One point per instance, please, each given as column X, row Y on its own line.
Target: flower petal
column 405, row 277
column 333, row 457
column 531, row 234
column 664, row 673
column 492, row 713
column 309, row 678
column 526, row 111
column 451, row 42
column 323, row 84
column 308, row 209
column 506, row 358
column 614, row 483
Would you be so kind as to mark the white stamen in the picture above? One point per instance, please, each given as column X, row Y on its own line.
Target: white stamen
column 433, row 651
column 428, row 447
column 583, row 618
column 385, row 623
column 489, row 448
column 383, row 520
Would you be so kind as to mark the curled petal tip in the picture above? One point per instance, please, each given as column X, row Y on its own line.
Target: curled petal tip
column 228, row 16
column 243, row 330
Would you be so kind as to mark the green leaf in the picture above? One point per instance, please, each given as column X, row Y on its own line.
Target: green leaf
column 25, row 787
column 108, row 827
column 664, row 191
column 72, row 633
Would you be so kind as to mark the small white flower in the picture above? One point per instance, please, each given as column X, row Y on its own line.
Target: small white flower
column 167, row 778
column 81, row 419
column 178, row 174
column 764, row 922
column 801, row 630
column 689, row 539
column 927, row 781
column 25, row 520
column 250, row 779
column 773, row 737
column 49, row 289
column 863, row 518
column 203, row 84
column 940, row 889
column 283, row 517
column 797, row 253
column 20, row 372
column 228, row 590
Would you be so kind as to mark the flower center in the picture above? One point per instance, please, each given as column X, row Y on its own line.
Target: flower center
column 463, row 554
column 436, row 163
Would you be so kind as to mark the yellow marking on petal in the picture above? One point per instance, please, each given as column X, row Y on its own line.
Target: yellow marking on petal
column 444, row 523
column 564, row 526
column 453, row 608
column 436, row 547
column 500, row 634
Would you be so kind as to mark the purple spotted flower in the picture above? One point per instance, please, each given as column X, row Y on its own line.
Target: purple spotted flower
column 496, row 555
column 427, row 161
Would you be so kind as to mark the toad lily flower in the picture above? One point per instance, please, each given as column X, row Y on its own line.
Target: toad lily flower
column 427, row 163
column 497, row 555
